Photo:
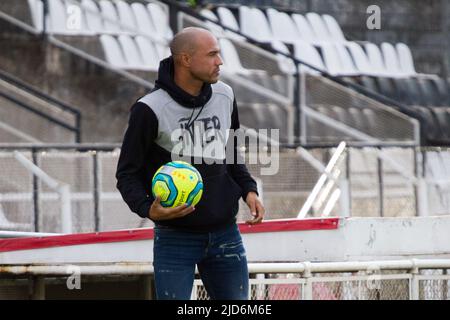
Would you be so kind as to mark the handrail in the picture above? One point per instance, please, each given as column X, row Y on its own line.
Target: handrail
column 23, row 105
column 62, row 188
column 321, row 182
column 306, row 267
column 24, row 86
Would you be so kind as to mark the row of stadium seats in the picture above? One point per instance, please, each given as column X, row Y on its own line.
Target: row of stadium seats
column 122, row 17
column 420, row 91
column 316, row 39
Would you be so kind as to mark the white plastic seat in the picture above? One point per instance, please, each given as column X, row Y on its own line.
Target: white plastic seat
column 108, row 10
column 262, row 26
column 254, row 24
column 334, row 29
column 307, row 53
column 231, row 60
column 131, row 52
column 391, row 59
column 304, row 28
column 347, row 64
column 92, row 13
column 143, row 20
column 285, row 64
column 162, row 50
column 126, row 17
column 331, row 59
column 283, row 28
column 160, row 21
column 36, row 10
column 406, row 59
column 215, row 29
column 376, row 59
column 360, row 59
column 319, row 27
column 57, row 18
column 148, row 52
column 228, row 20
column 113, row 51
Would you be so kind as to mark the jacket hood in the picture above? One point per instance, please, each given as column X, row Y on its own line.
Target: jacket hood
column 165, row 81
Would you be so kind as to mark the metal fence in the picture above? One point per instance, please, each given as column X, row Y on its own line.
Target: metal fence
column 376, row 188
column 414, row 279
column 374, row 280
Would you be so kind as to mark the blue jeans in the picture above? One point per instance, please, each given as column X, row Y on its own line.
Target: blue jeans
column 220, row 257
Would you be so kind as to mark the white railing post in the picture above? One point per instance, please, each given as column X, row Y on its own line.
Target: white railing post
column 415, row 286
column 308, row 288
column 63, row 190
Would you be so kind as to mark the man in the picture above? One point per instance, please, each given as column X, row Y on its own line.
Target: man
column 188, row 95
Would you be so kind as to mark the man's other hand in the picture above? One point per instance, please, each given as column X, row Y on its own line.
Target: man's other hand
column 256, row 208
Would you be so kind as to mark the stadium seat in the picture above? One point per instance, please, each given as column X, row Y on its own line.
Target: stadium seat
column 360, row 59
column 414, row 91
column 126, row 17
column 318, row 25
column 131, row 52
column 391, row 60
column 160, row 21
column 144, row 23
column 109, row 11
column 229, row 20
column 429, row 92
column 308, row 53
column 387, row 88
column 232, row 62
column 93, row 19
column 285, row 64
column 57, row 18
column 376, row 59
column 36, row 10
column 429, row 124
column 254, row 24
column 370, row 83
column 215, row 28
column 333, row 28
column 337, row 60
column 113, row 52
column 444, row 91
column 443, row 119
column 304, row 28
column 148, row 52
column 283, row 28
column 406, row 59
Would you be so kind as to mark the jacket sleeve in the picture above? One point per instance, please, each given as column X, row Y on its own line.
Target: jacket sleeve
column 238, row 169
column 142, row 130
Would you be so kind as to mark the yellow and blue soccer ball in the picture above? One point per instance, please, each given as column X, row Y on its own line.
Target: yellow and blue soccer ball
column 177, row 182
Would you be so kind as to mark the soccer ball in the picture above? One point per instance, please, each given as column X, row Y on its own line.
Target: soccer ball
column 176, row 183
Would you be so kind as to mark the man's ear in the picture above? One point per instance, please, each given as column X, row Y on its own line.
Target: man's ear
column 185, row 60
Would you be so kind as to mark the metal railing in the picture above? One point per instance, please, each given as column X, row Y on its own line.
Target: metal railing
column 409, row 279
column 374, row 185
column 23, row 89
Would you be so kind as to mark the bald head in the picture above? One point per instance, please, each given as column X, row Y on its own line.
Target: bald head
column 188, row 40
column 196, row 56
